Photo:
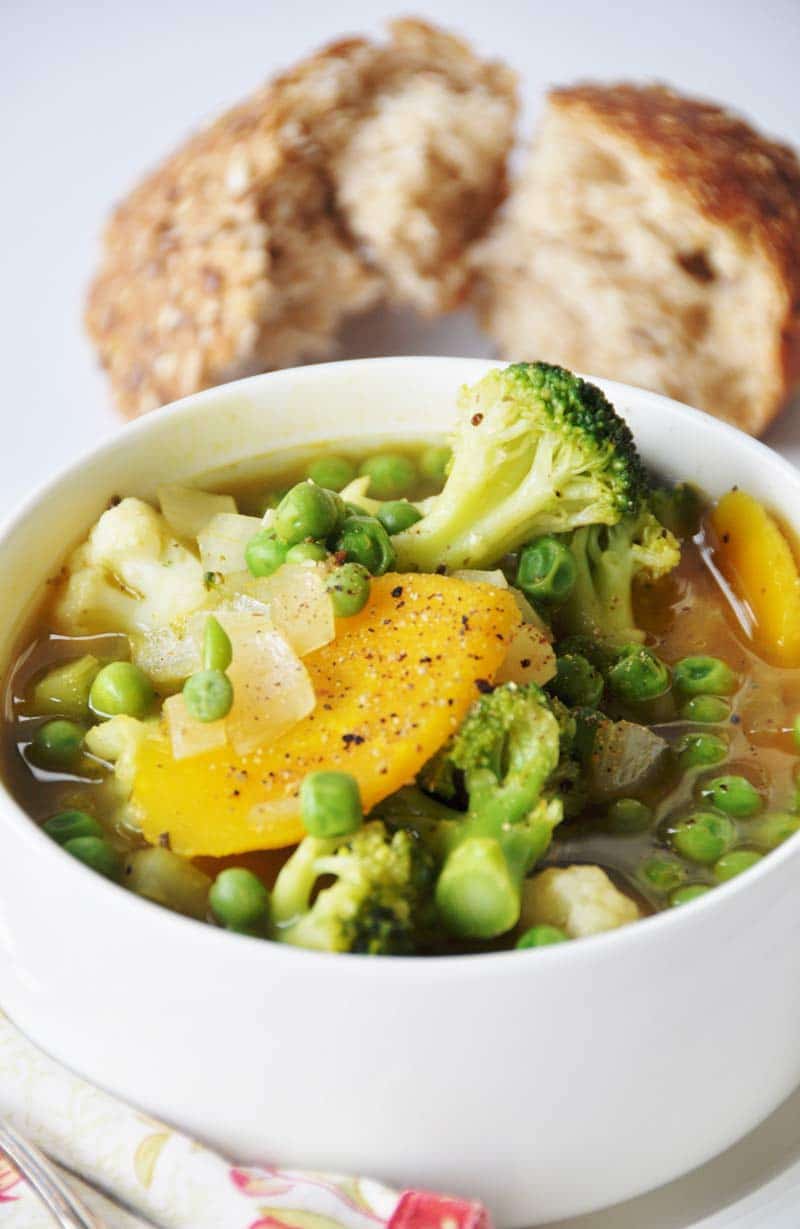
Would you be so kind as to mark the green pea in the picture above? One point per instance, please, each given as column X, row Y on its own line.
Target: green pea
column 627, row 816
column 398, row 515
column 546, row 571
column 706, row 710
column 796, row 730
column 638, row 675
column 734, row 795
column 349, row 588
column 121, row 688
column 694, row 676
column 703, row 837
column 773, row 829
column 691, row 891
column 306, row 552
column 576, row 682
column 663, row 874
column 696, row 750
column 240, row 901
column 330, row 804
column 57, row 743
column 390, row 474
column 308, row 511
column 217, row 647
column 364, row 540
column 541, row 936
column 96, row 853
column 70, row 824
column 208, row 695
column 434, row 461
column 733, row 863
column 265, row 553
column 332, row 472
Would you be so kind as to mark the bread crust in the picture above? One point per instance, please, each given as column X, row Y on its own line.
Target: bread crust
column 736, row 177
column 195, row 285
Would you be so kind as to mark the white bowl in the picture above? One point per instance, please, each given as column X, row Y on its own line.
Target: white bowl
column 547, row 1083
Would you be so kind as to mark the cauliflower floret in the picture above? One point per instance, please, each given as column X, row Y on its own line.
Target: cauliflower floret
column 131, row 575
column 117, row 741
column 580, row 900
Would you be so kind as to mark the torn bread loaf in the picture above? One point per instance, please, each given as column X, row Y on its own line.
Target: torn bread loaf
column 655, row 239
column 364, row 173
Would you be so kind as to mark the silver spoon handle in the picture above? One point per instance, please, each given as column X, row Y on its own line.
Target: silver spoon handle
column 68, row 1211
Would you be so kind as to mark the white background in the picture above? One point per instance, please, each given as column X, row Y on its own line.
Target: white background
column 91, row 94
column 94, row 93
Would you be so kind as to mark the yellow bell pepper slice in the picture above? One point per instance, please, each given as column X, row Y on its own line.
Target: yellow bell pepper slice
column 756, row 558
column 391, row 688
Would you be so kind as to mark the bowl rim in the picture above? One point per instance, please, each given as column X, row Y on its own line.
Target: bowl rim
column 112, row 895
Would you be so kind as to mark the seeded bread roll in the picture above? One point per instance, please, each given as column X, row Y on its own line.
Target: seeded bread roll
column 655, row 239
column 363, row 173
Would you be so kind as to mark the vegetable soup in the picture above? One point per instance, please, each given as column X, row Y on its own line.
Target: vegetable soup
column 504, row 692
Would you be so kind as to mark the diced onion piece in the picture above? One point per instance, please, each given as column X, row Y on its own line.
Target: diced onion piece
column 300, row 606
column 272, row 690
column 223, row 540
column 530, row 658
column 294, row 597
column 187, row 735
column 188, row 511
column 475, row 577
column 356, row 493
column 529, row 613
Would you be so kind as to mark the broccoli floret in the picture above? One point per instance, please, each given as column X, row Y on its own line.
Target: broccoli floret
column 506, row 748
column 609, row 559
column 536, row 450
column 439, row 776
column 380, row 903
column 577, row 729
column 506, row 751
column 680, row 508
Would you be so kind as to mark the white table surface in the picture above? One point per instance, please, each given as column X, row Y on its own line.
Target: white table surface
column 92, row 93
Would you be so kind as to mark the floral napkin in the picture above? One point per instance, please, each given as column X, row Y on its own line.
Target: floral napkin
column 136, row 1173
